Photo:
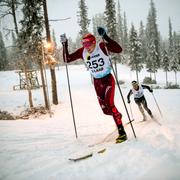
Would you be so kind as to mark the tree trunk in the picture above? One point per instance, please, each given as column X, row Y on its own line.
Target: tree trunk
column 175, row 77
column 53, row 75
column 43, row 85
column 166, row 79
column 155, row 76
column 137, row 77
column 14, row 16
column 28, row 85
column 150, row 75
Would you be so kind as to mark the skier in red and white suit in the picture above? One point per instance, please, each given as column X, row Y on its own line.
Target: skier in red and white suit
column 97, row 60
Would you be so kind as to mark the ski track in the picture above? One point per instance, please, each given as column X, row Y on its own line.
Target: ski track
column 40, row 148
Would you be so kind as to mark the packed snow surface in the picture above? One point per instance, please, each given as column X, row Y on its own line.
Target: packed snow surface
column 40, row 148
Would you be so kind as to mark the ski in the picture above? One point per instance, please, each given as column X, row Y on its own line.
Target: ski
column 81, row 157
column 86, row 156
column 153, row 119
column 156, row 121
column 128, row 122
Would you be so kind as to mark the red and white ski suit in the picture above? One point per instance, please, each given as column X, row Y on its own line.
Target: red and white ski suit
column 100, row 68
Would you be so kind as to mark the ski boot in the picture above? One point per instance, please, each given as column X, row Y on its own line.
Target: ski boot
column 151, row 115
column 122, row 134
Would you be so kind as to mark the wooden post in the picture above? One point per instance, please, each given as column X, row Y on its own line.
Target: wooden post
column 52, row 71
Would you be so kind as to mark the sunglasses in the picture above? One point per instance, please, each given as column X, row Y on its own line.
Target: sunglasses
column 87, row 44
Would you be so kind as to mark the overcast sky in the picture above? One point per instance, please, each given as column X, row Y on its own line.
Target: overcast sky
column 136, row 10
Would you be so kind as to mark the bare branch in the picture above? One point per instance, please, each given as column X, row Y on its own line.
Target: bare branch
column 59, row 19
column 5, row 14
column 7, row 29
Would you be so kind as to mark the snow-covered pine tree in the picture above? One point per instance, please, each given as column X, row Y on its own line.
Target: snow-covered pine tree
column 176, row 47
column 135, row 52
column 151, row 61
column 125, row 35
column 54, row 38
column 32, row 26
column 170, row 48
column 119, row 24
column 142, row 39
column 153, row 43
column 110, row 18
column 56, row 51
column 119, row 29
column 11, row 7
column 30, row 37
column 175, row 67
column 83, row 20
column 175, row 60
column 98, row 20
column 165, row 64
column 3, row 55
column 12, row 53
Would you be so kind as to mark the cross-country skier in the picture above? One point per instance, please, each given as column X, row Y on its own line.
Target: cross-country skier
column 97, row 60
column 139, row 98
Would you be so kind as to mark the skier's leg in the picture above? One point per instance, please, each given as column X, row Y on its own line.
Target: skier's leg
column 100, row 91
column 144, row 103
column 141, row 110
column 104, row 107
column 109, row 99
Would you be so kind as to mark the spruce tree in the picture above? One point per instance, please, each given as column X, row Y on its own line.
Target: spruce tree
column 3, row 55
column 12, row 7
column 151, row 60
column 153, row 43
column 13, row 53
column 119, row 24
column 165, row 64
column 110, row 17
column 170, row 48
column 30, row 37
column 98, row 20
column 175, row 66
column 54, row 38
column 142, row 39
column 83, row 20
column 125, row 35
column 135, row 52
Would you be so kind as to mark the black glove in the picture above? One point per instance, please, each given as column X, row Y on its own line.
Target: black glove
column 151, row 90
column 129, row 101
column 101, row 31
column 63, row 38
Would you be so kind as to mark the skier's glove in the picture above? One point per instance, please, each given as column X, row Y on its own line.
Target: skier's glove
column 151, row 90
column 63, row 38
column 129, row 101
column 101, row 31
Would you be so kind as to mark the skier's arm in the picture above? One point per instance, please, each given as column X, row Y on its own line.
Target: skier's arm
column 147, row 87
column 73, row 56
column 111, row 45
column 128, row 96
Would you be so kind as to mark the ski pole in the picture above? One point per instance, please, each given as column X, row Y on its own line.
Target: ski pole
column 131, row 112
column 157, row 105
column 69, row 87
column 119, row 88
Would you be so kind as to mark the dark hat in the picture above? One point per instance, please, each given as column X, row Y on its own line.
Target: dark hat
column 134, row 82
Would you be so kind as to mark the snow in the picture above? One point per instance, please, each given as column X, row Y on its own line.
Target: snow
column 40, row 148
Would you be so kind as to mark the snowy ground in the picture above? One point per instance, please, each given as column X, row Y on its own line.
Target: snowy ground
column 40, row 148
